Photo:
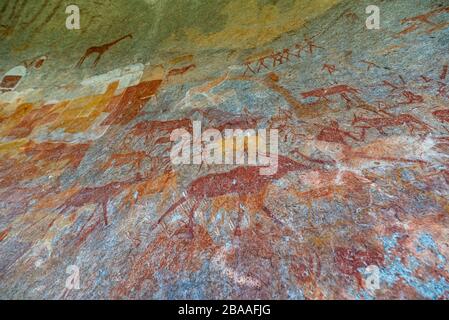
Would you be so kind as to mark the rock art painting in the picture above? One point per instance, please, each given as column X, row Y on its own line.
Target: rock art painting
column 88, row 182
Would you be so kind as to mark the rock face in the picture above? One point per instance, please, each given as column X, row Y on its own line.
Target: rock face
column 356, row 209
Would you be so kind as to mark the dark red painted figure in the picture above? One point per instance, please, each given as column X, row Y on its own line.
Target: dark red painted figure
column 242, row 181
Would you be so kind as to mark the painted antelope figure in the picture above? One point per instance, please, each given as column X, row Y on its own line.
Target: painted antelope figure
column 323, row 93
column 381, row 123
column 245, row 121
column 442, row 115
column 222, row 120
column 98, row 196
column 423, row 20
column 242, row 181
column 411, row 98
column 333, row 133
column 159, row 130
column 100, row 50
column 135, row 158
column 180, row 71
column 73, row 154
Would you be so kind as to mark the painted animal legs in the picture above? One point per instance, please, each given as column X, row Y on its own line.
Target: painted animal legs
column 191, row 216
column 170, row 210
column 104, row 206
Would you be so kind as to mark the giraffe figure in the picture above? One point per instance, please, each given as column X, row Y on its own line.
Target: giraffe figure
column 100, row 50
